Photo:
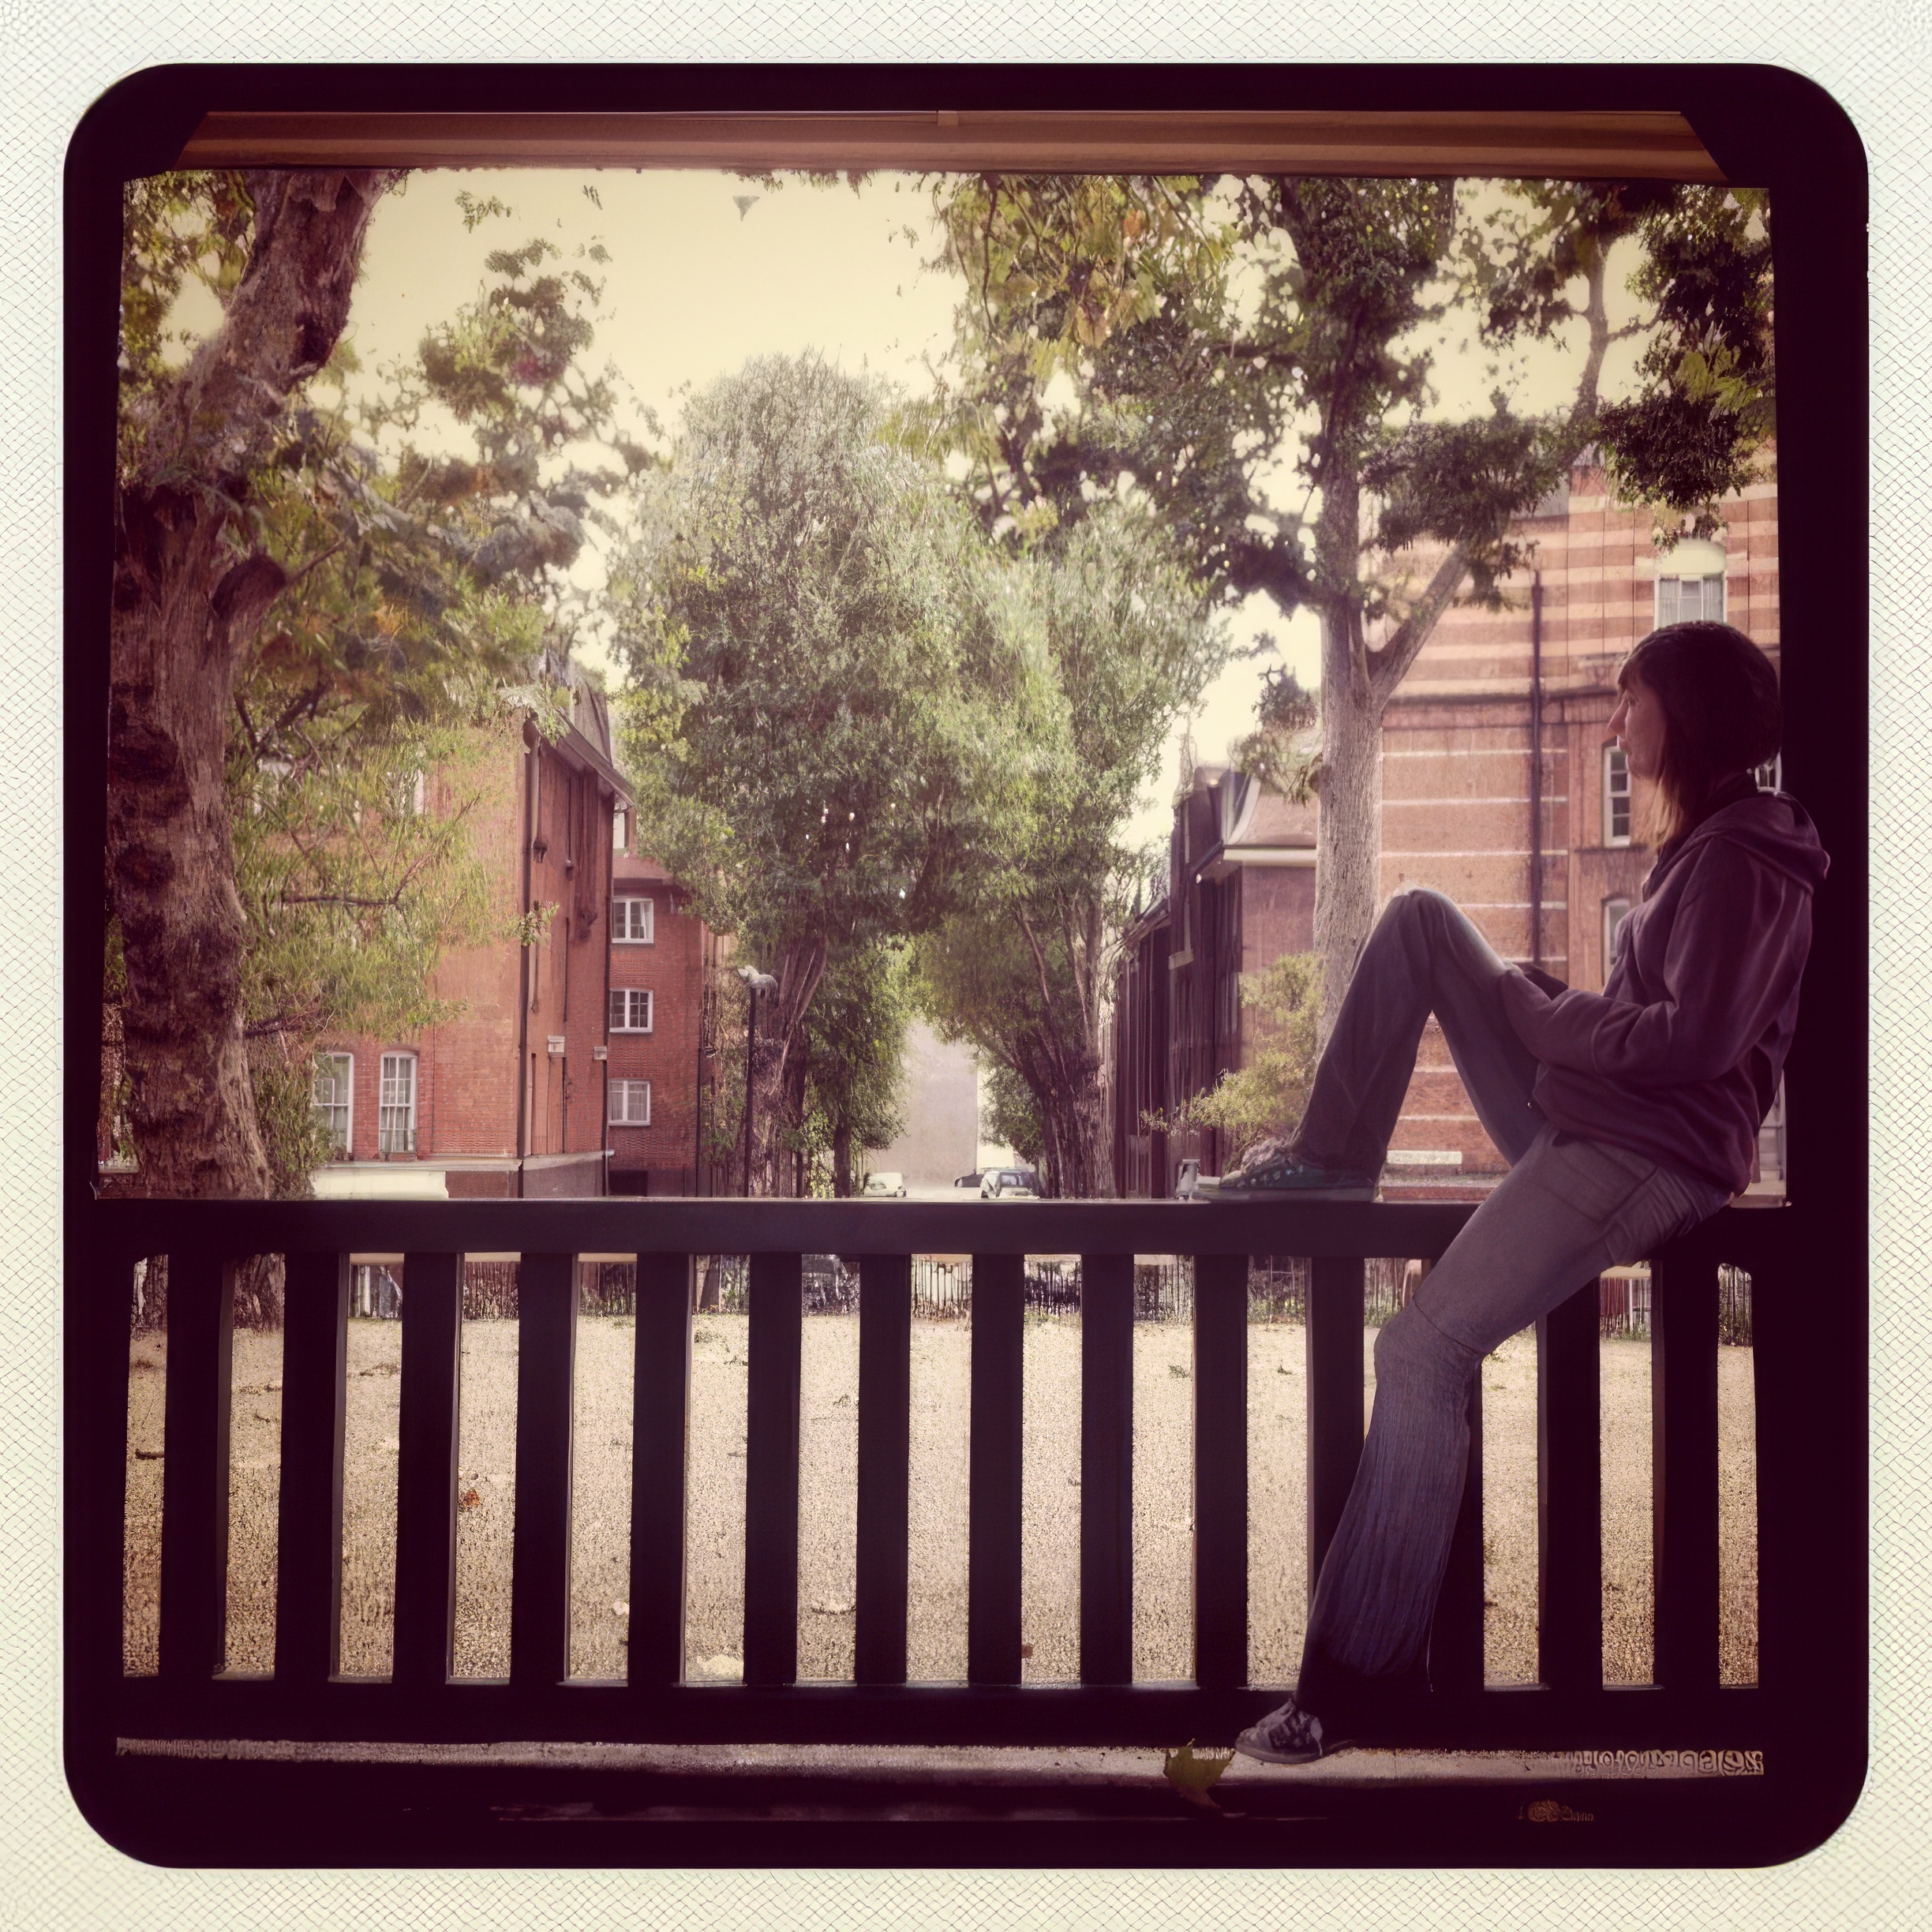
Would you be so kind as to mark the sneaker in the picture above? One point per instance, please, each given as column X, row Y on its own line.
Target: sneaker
column 1290, row 1735
column 1287, row 1177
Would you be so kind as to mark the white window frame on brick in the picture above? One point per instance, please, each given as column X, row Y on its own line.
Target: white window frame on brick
column 396, row 1116
column 1616, row 909
column 1770, row 776
column 625, row 1008
column 1676, row 602
column 629, row 926
column 341, row 1100
column 623, row 1101
column 1616, row 791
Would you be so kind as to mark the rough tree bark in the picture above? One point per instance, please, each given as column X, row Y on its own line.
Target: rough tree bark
column 801, row 966
column 189, row 590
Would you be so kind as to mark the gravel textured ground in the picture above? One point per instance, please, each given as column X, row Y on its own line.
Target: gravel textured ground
column 829, row 1441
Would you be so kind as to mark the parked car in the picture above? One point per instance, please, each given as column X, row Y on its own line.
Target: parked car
column 884, row 1187
column 1009, row 1184
column 972, row 1180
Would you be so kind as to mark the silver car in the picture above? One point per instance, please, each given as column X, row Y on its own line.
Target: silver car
column 1009, row 1183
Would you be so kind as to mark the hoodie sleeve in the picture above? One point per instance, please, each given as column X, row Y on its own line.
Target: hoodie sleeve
column 1732, row 961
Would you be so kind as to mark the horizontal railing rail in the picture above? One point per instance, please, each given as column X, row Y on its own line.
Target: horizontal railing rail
column 306, row 1698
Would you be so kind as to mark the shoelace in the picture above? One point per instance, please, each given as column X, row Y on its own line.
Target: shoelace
column 1294, row 1730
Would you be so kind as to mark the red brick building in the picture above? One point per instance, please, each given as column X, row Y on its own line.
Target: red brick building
column 1500, row 786
column 508, row 1098
column 661, row 1077
column 1241, row 892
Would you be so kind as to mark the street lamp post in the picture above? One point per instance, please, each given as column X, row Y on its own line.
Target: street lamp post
column 755, row 983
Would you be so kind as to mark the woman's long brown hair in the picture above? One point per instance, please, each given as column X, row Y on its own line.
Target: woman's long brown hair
column 1722, row 715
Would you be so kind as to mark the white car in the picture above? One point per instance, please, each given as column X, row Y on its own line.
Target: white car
column 884, row 1187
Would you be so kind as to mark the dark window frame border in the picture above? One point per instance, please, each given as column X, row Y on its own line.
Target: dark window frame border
column 1763, row 125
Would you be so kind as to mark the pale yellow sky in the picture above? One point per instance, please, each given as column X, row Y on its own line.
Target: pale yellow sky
column 693, row 288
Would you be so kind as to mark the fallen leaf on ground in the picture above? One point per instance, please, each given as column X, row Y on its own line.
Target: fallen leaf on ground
column 1194, row 1777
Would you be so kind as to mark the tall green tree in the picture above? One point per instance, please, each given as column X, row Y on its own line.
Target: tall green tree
column 815, row 671
column 850, row 1067
column 1256, row 356
column 1119, row 648
column 401, row 604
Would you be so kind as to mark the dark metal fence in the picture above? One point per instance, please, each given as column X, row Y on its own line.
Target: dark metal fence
column 783, row 1258
column 942, row 1290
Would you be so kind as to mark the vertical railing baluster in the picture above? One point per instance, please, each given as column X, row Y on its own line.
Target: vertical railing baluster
column 994, row 1469
column 774, row 1297
column 1569, row 1496
column 660, row 1435
column 540, row 1550
column 1220, row 1470
column 884, row 1443
column 425, row 1564
column 1797, row 1471
column 1336, row 1312
column 1455, row 1651
column 309, row 1532
column 1106, row 1470
column 1683, row 1468
column 99, row 1336
column 194, row 1495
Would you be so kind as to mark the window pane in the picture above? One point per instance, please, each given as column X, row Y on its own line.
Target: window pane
column 1616, row 797
column 396, row 1125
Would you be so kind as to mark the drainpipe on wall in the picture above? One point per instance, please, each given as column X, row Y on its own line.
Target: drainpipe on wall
column 1536, row 768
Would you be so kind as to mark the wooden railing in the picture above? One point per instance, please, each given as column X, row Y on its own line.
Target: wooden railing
column 304, row 1698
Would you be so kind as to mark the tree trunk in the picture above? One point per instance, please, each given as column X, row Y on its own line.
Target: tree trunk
column 186, row 599
column 800, row 968
column 1072, row 1120
column 1348, row 849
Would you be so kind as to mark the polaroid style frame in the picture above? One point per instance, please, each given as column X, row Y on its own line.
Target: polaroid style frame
column 1756, row 126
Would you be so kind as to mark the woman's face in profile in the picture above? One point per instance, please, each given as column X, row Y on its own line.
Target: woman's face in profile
column 1638, row 724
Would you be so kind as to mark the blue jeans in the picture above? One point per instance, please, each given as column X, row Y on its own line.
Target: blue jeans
column 1568, row 1209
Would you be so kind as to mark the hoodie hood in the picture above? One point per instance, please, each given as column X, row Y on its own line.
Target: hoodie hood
column 1772, row 826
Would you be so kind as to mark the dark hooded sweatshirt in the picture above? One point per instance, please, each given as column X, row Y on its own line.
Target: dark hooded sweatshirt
column 1678, row 1059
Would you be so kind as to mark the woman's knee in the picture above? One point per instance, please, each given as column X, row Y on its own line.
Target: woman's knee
column 1412, row 1352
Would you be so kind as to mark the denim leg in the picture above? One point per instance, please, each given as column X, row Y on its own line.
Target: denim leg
column 1423, row 956
column 1562, row 1215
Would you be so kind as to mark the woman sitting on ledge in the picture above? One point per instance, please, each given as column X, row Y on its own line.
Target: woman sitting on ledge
column 1627, row 1117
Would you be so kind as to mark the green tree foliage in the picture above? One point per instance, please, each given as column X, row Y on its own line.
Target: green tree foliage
column 1257, row 357
column 1272, row 1087
column 1280, row 754
column 816, row 671
column 1116, row 646
column 410, row 600
column 1010, row 1117
column 851, row 1067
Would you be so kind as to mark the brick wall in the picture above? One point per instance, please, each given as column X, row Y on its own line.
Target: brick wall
column 1456, row 757
column 672, row 967
column 467, row 1092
